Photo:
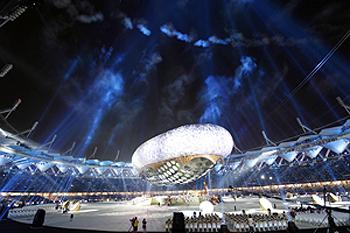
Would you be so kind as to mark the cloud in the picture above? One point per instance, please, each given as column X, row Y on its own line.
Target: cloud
column 170, row 31
column 147, row 65
column 61, row 3
column 202, row 43
column 216, row 40
column 171, row 110
column 215, row 97
column 125, row 20
column 133, row 103
column 247, row 67
column 106, row 91
column 82, row 11
column 127, row 23
column 129, row 108
column 90, row 18
column 143, row 29
column 176, row 90
column 130, row 24
column 235, row 39
column 127, row 111
column 218, row 90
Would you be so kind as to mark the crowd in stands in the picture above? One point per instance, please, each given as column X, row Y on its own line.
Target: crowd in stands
column 22, row 182
column 330, row 170
column 317, row 170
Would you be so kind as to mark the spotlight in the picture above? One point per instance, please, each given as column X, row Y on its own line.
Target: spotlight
column 262, row 177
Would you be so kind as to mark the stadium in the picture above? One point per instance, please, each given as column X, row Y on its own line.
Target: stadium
column 224, row 116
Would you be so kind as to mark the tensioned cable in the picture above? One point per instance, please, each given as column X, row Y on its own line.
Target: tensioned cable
column 320, row 64
column 303, row 83
column 314, row 71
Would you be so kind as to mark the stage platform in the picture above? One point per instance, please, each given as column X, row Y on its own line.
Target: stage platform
column 114, row 216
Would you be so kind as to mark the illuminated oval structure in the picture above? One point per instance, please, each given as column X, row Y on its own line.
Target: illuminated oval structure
column 183, row 154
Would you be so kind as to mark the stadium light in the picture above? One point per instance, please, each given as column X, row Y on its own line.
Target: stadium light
column 5, row 69
column 52, row 141
column 29, row 131
column 117, row 156
column 267, row 140
column 70, row 150
column 236, row 147
column 49, row 144
column 345, row 106
column 17, row 12
column 93, row 153
column 304, row 127
column 10, row 110
column 33, row 128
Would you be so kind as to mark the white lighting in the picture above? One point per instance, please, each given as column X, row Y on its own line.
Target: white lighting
column 202, row 139
column 206, row 207
column 262, row 177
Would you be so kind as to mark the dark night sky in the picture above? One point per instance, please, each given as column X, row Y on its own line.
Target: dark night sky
column 89, row 78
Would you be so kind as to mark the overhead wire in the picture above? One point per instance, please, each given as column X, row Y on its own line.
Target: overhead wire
column 313, row 72
column 304, row 82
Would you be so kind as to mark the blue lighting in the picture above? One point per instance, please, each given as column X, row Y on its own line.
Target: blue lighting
column 144, row 30
column 216, row 40
column 108, row 89
column 72, row 67
column 246, row 69
column 214, row 94
column 171, row 32
column 202, row 43
column 219, row 90
column 127, row 23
